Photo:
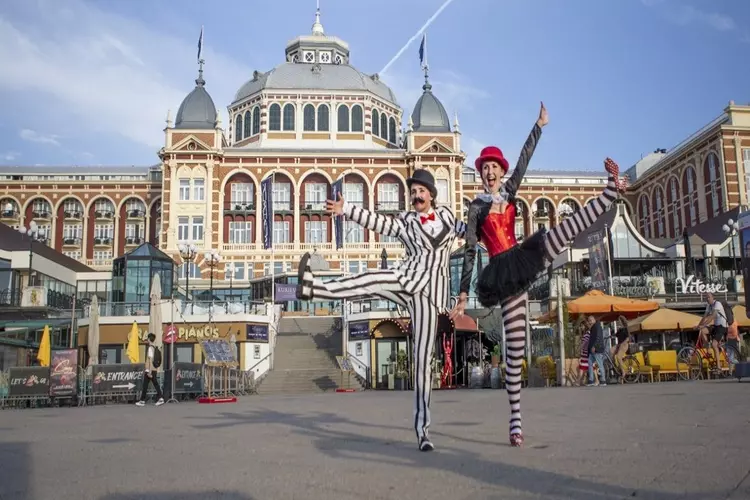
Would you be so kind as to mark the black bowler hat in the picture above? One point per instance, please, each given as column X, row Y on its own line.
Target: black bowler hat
column 423, row 178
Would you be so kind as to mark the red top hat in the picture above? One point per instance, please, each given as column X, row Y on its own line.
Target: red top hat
column 491, row 153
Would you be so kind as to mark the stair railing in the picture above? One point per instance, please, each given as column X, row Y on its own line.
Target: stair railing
column 259, row 379
column 368, row 384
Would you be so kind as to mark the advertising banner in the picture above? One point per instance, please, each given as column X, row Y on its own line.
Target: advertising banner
column 257, row 333
column 30, row 381
column 598, row 261
column 285, row 293
column 117, row 378
column 359, row 331
column 63, row 377
column 338, row 221
column 744, row 224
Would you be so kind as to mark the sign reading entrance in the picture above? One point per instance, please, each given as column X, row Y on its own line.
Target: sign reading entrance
column 122, row 378
column 696, row 286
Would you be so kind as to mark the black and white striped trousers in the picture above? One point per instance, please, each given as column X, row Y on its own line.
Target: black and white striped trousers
column 423, row 308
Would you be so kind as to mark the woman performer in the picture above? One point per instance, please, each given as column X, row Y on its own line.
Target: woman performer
column 513, row 267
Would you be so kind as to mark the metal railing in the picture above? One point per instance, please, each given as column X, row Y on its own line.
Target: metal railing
column 367, row 378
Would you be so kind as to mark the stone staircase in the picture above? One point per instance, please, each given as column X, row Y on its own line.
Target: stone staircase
column 305, row 358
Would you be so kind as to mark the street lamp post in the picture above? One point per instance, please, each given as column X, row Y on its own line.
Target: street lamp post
column 230, row 270
column 212, row 259
column 188, row 253
column 32, row 232
column 730, row 229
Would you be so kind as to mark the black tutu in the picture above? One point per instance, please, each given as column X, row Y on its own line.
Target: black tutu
column 512, row 272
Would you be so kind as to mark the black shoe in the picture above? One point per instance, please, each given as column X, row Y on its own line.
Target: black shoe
column 425, row 444
column 304, row 279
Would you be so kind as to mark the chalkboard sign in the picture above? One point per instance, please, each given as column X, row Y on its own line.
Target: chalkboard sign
column 188, row 377
column 31, row 381
column 344, row 364
column 63, row 377
column 117, row 378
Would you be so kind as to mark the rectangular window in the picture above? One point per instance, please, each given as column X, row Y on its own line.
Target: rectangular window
column 183, row 228
column 282, row 196
column 197, row 229
column 104, row 231
column 315, row 195
column 353, row 232
column 281, row 232
column 442, row 191
column 76, row 254
column 316, row 232
column 184, row 189
column 239, row 271
column 469, row 176
column 388, row 198
column 102, row 254
column 388, row 239
column 199, row 189
column 241, row 232
column 72, row 231
column 354, row 194
column 242, row 194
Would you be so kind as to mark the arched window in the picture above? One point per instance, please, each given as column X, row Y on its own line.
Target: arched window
column 392, row 130
column 309, row 118
column 383, row 127
column 323, row 118
column 659, row 212
column 256, row 120
column 238, row 128
column 248, row 130
column 713, row 184
column 690, row 197
column 289, row 117
column 343, row 118
column 675, row 206
column 357, row 122
column 274, row 117
column 644, row 217
column 375, row 123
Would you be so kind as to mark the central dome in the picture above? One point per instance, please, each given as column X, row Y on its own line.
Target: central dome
column 294, row 76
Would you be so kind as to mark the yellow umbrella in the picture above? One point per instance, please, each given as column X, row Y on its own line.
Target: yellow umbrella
column 132, row 350
column 740, row 316
column 664, row 320
column 44, row 354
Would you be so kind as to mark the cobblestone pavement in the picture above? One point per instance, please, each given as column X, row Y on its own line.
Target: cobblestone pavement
column 687, row 440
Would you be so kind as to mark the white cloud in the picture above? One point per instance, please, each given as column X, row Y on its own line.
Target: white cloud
column 34, row 136
column 10, row 155
column 683, row 14
column 116, row 74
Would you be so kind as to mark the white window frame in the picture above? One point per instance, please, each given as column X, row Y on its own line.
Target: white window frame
column 388, row 196
column 242, row 193
column 183, row 229
column 184, row 188
column 443, row 191
column 282, row 196
column 354, row 193
column 199, row 189
column 197, row 228
column 315, row 195
column 241, row 232
column 281, row 231
column 316, row 232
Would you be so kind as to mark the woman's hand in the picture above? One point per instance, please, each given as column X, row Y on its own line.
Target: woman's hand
column 460, row 307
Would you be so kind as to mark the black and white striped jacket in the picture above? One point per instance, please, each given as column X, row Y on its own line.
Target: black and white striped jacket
column 427, row 258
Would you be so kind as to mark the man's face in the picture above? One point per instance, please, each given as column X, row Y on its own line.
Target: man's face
column 492, row 173
column 421, row 198
column 710, row 298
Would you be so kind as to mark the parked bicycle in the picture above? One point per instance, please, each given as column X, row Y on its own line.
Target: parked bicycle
column 629, row 372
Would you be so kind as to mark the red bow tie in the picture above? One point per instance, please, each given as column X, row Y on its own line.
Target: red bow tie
column 425, row 218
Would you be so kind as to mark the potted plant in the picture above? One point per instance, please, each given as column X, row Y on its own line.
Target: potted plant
column 495, row 359
column 401, row 372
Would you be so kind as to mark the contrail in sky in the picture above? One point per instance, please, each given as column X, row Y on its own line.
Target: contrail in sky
column 416, row 35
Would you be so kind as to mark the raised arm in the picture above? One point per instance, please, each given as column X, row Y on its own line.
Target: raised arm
column 514, row 182
column 381, row 224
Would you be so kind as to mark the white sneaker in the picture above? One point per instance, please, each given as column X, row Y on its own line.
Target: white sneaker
column 603, row 385
column 160, row 402
column 141, row 403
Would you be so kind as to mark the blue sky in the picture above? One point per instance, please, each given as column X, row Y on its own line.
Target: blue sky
column 90, row 82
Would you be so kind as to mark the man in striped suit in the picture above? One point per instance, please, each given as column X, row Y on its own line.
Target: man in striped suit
column 421, row 283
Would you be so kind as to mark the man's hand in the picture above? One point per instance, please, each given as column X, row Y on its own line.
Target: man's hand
column 460, row 307
column 336, row 207
column 543, row 117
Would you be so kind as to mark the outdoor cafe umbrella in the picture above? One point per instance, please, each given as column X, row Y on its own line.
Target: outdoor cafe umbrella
column 740, row 316
column 664, row 320
column 132, row 350
column 154, row 320
column 45, row 350
column 93, row 340
column 604, row 307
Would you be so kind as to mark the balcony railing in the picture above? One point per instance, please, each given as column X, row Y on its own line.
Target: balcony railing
column 106, row 241
column 282, row 206
column 72, row 215
column 104, row 264
column 317, row 206
column 240, row 247
column 239, row 206
column 390, row 206
column 40, row 214
column 104, row 214
column 9, row 214
column 136, row 214
column 318, row 246
column 72, row 242
column 133, row 241
column 541, row 214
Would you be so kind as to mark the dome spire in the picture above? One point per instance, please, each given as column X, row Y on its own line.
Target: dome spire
column 317, row 28
column 200, row 82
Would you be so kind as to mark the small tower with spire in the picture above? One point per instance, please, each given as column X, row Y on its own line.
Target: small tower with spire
column 317, row 28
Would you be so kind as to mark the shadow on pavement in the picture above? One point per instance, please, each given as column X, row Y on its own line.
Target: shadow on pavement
column 348, row 446
column 180, row 495
column 15, row 469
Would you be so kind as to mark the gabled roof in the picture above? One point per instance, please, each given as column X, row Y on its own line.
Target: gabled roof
column 146, row 251
column 13, row 241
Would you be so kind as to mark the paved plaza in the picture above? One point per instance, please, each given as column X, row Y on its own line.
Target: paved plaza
column 664, row 441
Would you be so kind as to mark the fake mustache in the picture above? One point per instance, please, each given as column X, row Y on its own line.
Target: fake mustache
column 417, row 199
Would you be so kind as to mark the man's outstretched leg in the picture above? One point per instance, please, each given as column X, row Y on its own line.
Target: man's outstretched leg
column 381, row 283
column 424, row 316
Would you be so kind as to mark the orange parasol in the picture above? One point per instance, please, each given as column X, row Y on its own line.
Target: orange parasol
column 605, row 307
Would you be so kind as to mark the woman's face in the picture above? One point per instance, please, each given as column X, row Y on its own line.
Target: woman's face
column 492, row 174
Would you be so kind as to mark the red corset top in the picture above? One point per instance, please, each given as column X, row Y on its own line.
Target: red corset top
column 499, row 232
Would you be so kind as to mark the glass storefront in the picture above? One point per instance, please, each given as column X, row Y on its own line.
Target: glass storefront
column 132, row 275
